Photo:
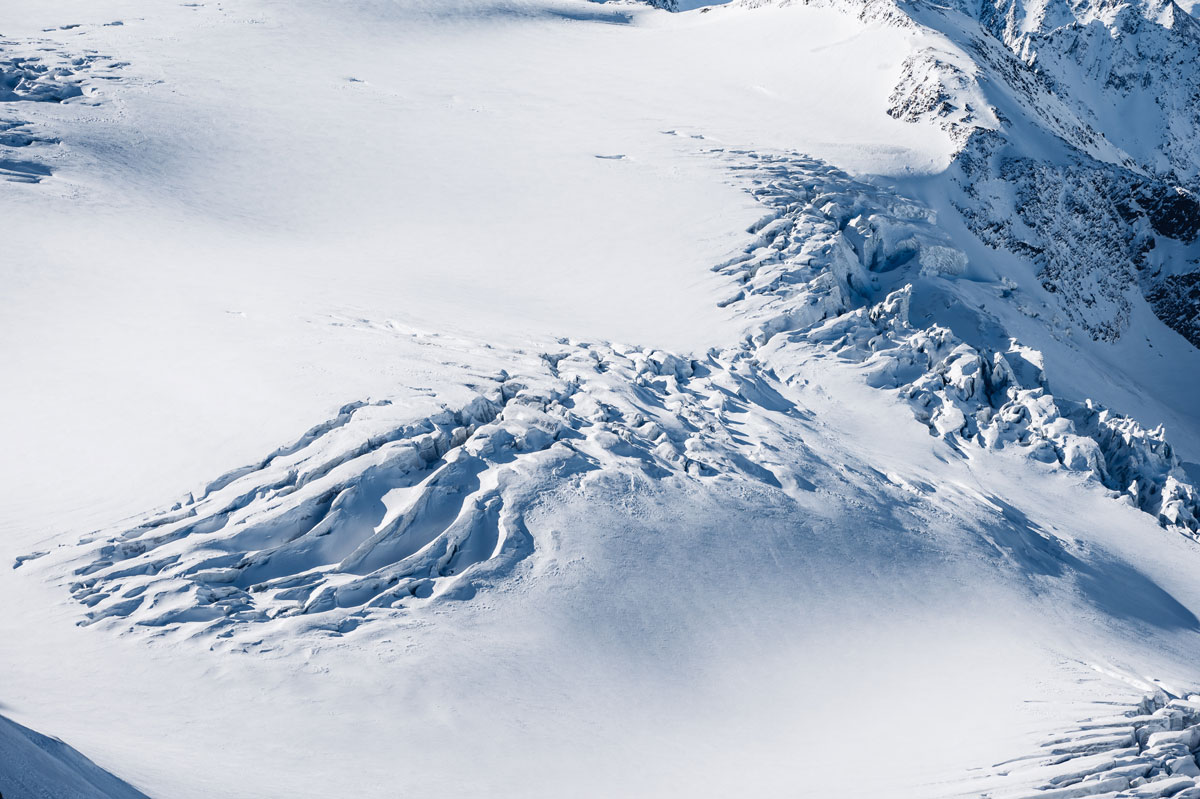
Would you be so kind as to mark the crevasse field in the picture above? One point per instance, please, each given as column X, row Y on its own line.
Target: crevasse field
column 552, row 398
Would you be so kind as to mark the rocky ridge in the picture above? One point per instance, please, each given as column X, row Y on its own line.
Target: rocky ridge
column 1077, row 129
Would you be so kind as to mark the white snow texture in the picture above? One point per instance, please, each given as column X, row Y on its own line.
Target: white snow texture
column 688, row 390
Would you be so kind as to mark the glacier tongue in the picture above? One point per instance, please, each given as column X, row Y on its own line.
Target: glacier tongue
column 388, row 506
column 887, row 521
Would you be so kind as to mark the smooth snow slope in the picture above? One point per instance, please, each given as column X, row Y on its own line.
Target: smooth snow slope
column 33, row 766
column 275, row 209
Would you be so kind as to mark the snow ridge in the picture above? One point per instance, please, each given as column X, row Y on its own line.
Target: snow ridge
column 40, row 767
column 309, row 531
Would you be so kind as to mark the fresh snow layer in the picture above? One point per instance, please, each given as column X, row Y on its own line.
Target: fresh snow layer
column 614, row 503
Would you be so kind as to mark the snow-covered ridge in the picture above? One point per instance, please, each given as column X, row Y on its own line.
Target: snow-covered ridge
column 321, row 527
column 39, row 767
column 36, row 767
column 1092, row 174
column 1078, row 128
column 395, row 505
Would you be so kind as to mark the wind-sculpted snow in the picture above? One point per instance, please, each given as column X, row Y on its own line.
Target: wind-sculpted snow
column 39, row 78
column 393, row 505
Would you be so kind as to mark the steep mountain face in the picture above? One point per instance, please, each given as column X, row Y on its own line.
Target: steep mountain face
column 1087, row 164
column 1124, row 70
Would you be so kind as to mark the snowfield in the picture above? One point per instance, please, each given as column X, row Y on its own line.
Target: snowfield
column 37, row 766
column 569, row 398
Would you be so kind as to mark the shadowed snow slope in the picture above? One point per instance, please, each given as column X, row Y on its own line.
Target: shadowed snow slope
column 675, row 424
column 33, row 766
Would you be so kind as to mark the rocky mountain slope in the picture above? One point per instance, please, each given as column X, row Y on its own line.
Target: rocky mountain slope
column 1078, row 125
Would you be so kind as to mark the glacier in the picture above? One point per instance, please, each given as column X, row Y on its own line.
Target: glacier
column 641, row 398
